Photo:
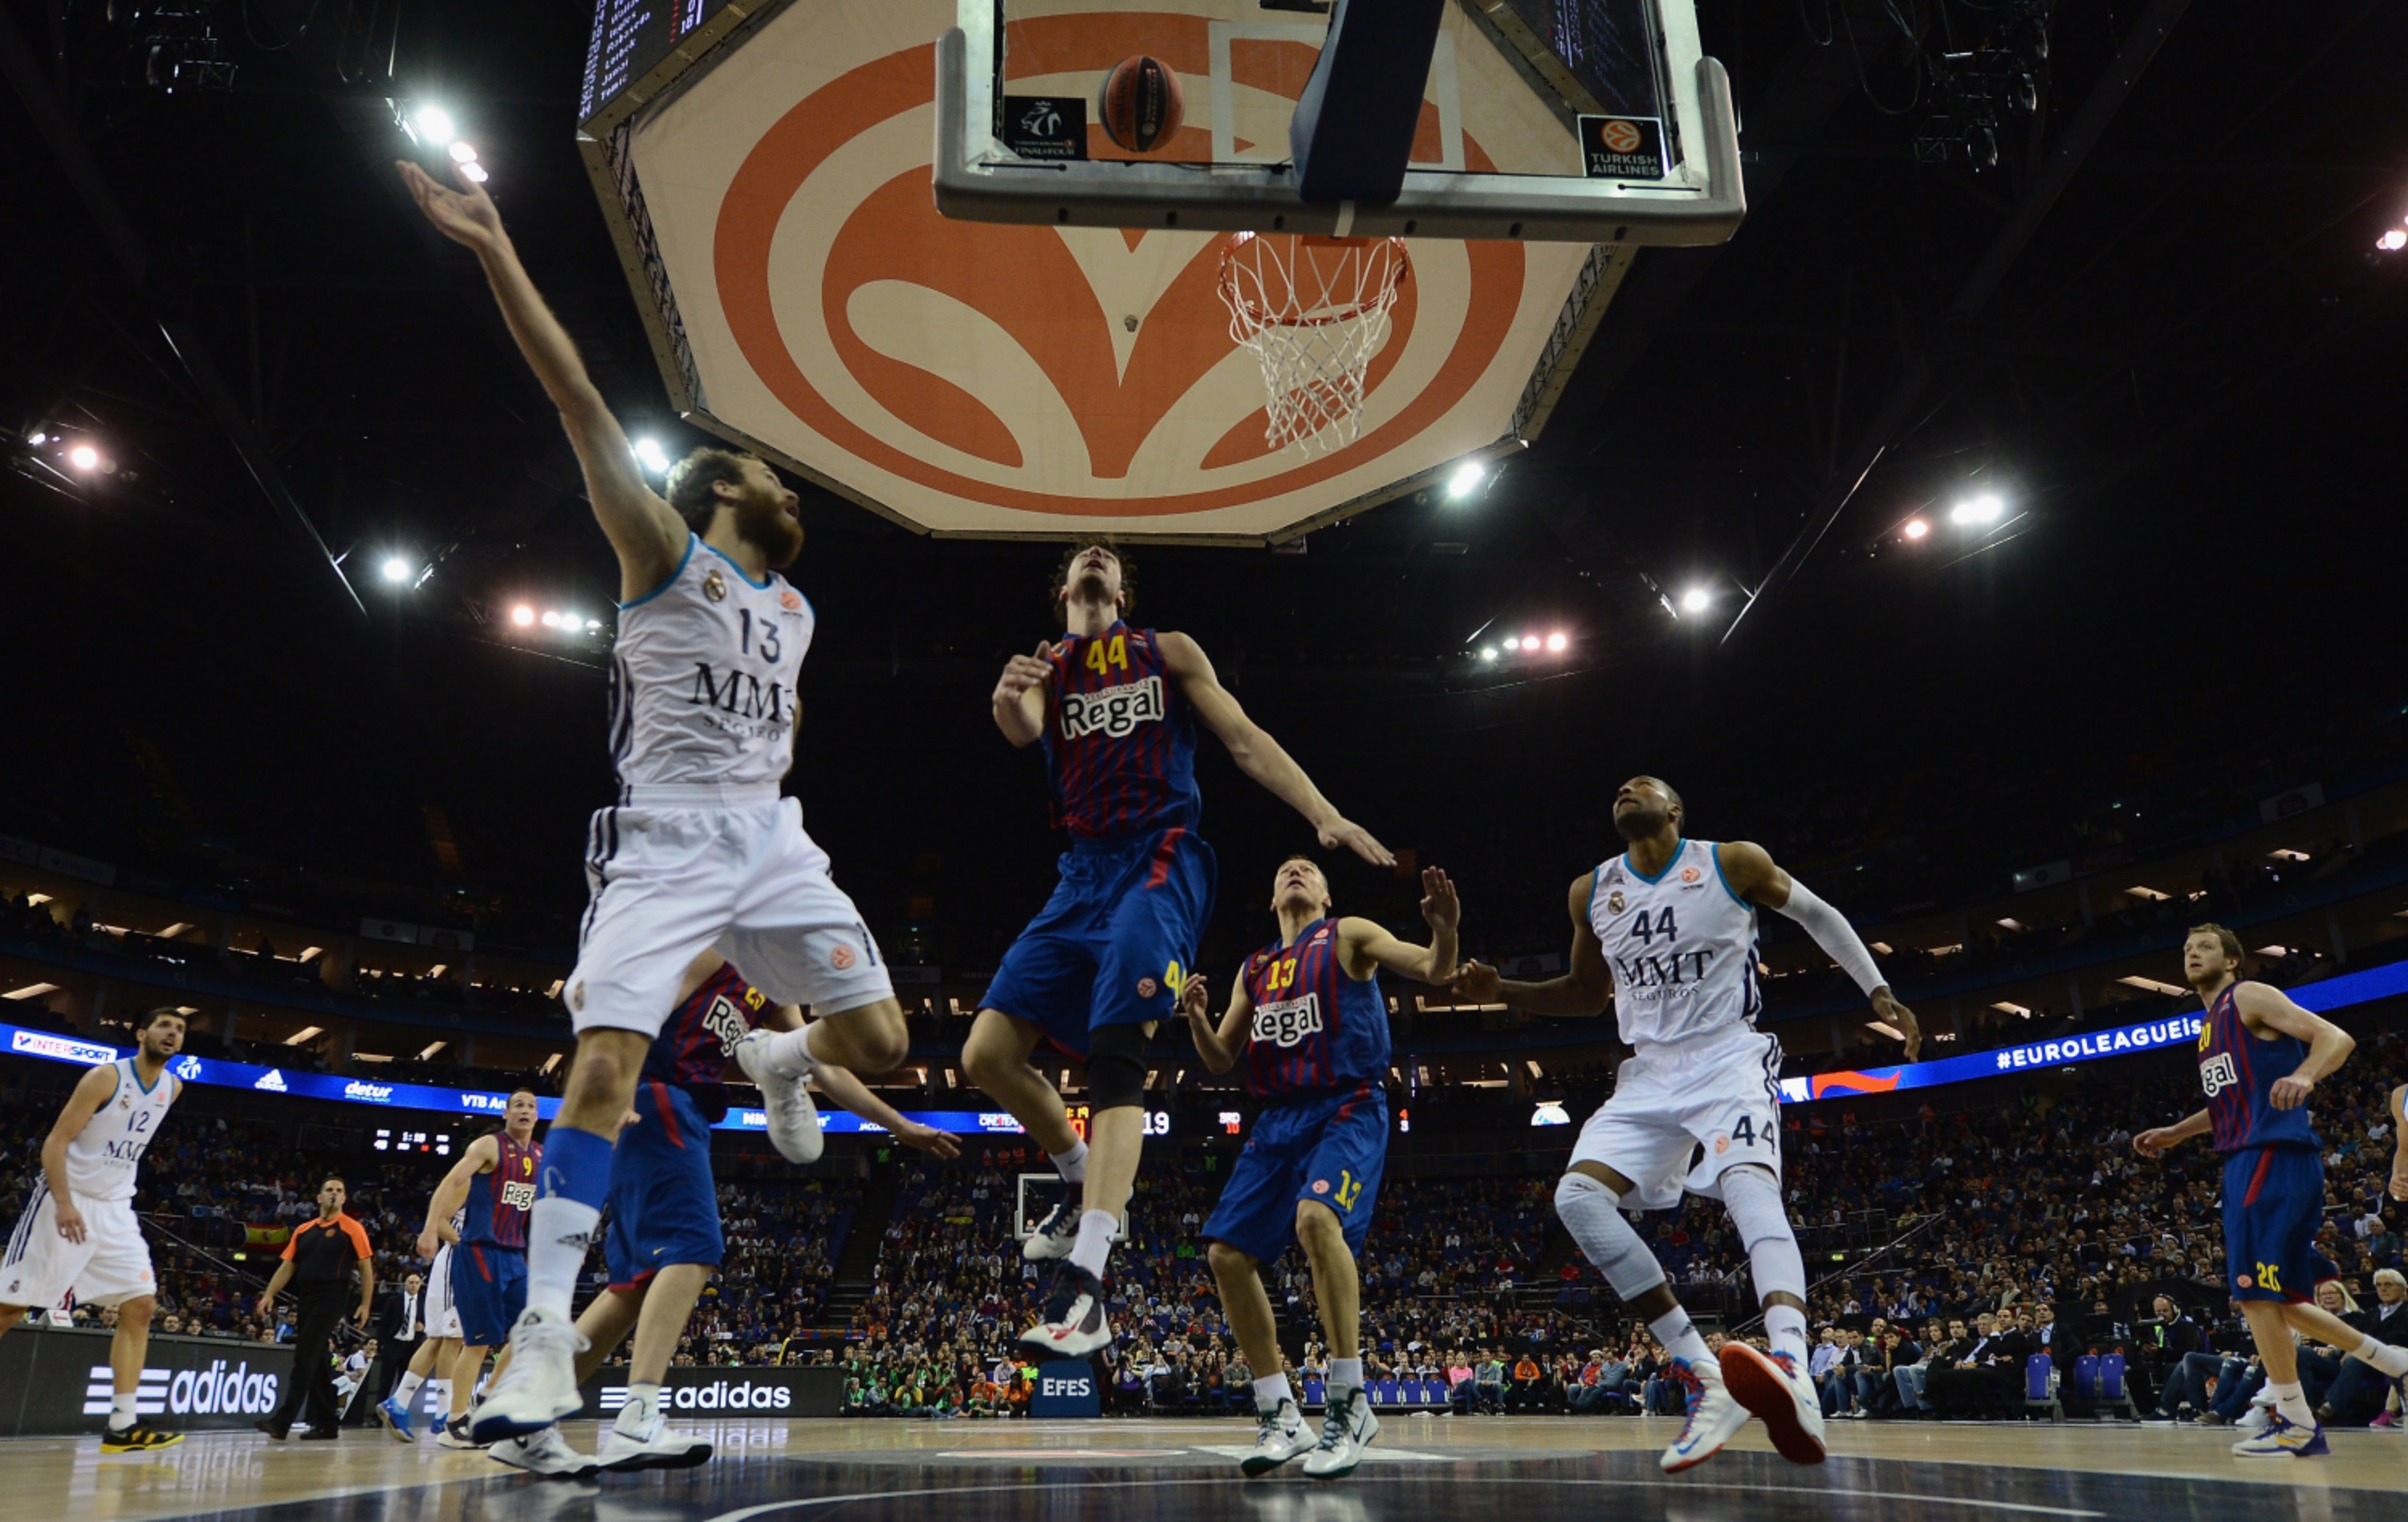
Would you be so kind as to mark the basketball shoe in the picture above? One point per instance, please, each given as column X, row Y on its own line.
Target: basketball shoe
column 1346, row 1431
column 2283, row 1440
column 1279, row 1436
column 1772, row 1385
column 539, row 1387
column 1713, row 1415
column 794, row 1119
column 1074, row 1323
column 546, row 1453
column 1057, row 1233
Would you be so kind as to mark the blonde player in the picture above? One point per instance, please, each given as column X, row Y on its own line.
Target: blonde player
column 78, row 1234
column 1667, row 930
column 701, row 850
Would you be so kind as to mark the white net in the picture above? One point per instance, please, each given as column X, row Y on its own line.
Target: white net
column 1312, row 310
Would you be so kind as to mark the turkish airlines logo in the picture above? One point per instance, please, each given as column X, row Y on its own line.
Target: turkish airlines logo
column 1051, row 370
column 1114, row 712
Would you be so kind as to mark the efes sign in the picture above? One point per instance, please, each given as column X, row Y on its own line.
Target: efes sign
column 1068, row 1388
column 55, row 1380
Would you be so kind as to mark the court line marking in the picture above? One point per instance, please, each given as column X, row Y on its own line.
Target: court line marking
column 771, row 1508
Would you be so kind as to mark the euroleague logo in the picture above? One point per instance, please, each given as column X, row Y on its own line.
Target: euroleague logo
column 1620, row 136
column 882, row 335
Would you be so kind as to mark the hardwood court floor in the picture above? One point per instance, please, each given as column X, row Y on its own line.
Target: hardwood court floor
column 1537, row 1469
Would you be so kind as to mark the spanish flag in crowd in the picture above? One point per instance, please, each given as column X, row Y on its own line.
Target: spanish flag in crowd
column 266, row 1236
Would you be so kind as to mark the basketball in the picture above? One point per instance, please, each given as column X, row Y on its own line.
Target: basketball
column 1142, row 103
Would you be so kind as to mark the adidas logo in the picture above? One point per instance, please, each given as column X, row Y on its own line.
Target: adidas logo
column 273, row 1082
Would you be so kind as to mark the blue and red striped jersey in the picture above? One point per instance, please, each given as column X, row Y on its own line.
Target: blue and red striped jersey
column 498, row 1202
column 701, row 1033
column 1314, row 1028
column 1120, row 739
column 2237, row 1071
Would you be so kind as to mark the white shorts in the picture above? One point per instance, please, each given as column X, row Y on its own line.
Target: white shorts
column 442, row 1317
column 111, row 1264
column 1682, row 1112
column 673, row 875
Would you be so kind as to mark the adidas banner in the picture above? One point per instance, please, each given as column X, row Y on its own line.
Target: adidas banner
column 55, row 1381
column 693, row 1393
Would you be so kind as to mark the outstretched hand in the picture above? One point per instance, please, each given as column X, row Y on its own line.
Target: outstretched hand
column 1354, row 837
column 1440, row 909
column 1888, row 1010
column 1478, row 982
column 1023, row 672
column 466, row 216
column 1194, row 999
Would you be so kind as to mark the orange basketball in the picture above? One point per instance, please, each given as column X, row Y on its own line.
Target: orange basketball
column 1141, row 103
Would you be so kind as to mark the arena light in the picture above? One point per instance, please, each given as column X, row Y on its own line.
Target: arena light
column 396, row 568
column 1465, row 480
column 550, row 619
column 1983, row 509
column 649, row 455
column 1915, row 528
column 1488, row 653
column 1697, row 600
column 2392, row 241
column 31, row 990
column 1557, row 643
column 594, row 626
column 1529, row 644
column 435, row 123
column 84, row 457
column 306, row 1033
column 522, row 615
column 462, row 153
column 473, row 173
column 38, row 437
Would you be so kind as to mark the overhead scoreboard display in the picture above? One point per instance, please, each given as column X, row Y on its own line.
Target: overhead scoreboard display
column 631, row 38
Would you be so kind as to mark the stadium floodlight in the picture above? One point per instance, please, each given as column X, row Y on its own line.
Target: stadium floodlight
column 1915, row 528
column 473, row 173
column 38, row 437
column 1465, row 480
column 572, row 621
column 1983, row 509
column 649, row 455
column 2392, row 241
column 462, row 153
column 84, row 457
column 1530, row 645
column 592, row 626
column 436, row 122
column 522, row 615
column 1697, row 600
column 1488, row 653
column 396, row 568
column 1558, row 642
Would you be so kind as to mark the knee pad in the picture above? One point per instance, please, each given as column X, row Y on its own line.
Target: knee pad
column 1576, row 1187
column 1753, row 1197
column 1117, row 1067
column 1592, row 1213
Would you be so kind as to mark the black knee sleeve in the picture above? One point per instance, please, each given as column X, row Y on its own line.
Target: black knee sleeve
column 1117, row 1067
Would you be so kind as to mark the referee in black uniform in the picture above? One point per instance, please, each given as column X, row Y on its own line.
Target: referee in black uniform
column 318, row 1264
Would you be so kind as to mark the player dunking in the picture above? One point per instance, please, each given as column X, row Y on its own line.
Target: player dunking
column 1667, row 930
column 1307, row 1016
column 2259, row 1057
column 1116, row 709
column 700, row 852
column 78, row 1234
column 490, row 1191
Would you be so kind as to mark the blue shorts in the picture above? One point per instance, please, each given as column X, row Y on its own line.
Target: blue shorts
column 664, row 1206
column 2274, row 1202
column 489, row 1290
column 1328, row 1148
column 1114, row 942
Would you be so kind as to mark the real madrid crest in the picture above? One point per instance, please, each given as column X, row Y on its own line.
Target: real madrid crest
column 714, row 585
column 1613, row 902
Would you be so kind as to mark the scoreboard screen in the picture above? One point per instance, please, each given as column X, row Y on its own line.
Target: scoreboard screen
column 629, row 38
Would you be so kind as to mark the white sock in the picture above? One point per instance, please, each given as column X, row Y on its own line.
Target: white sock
column 405, row 1390
column 559, row 1230
column 438, row 1395
column 2292, row 1403
column 1784, row 1327
column 1345, row 1374
column 1095, row 1246
column 120, row 1411
column 643, row 1404
column 790, row 1054
column 1679, row 1335
column 1071, row 1164
column 1270, row 1390
column 2385, row 1359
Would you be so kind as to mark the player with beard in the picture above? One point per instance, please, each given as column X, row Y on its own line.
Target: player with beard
column 1667, row 932
column 1116, row 709
column 79, row 1235
column 700, row 852
column 2261, row 1055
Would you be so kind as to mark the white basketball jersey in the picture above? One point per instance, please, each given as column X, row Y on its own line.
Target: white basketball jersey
column 103, row 1157
column 1682, row 945
column 702, row 683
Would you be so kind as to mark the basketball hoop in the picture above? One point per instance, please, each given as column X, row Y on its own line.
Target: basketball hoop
column 1312, row 310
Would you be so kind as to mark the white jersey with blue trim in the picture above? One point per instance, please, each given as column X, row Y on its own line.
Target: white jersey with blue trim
column 702, row 681
column 102, row 1157
column 1681, row 944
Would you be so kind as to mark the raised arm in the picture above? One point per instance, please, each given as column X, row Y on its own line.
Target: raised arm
column 850, row 1093
column 1217, row 1044
column 92, row 1091
column 646, row 531
column 482, row 1155
column 1258, row 755
column 1752, row 874
column 1365, row 946
column 2264, row 1007
column 1019, row 700
column 1581, row 991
